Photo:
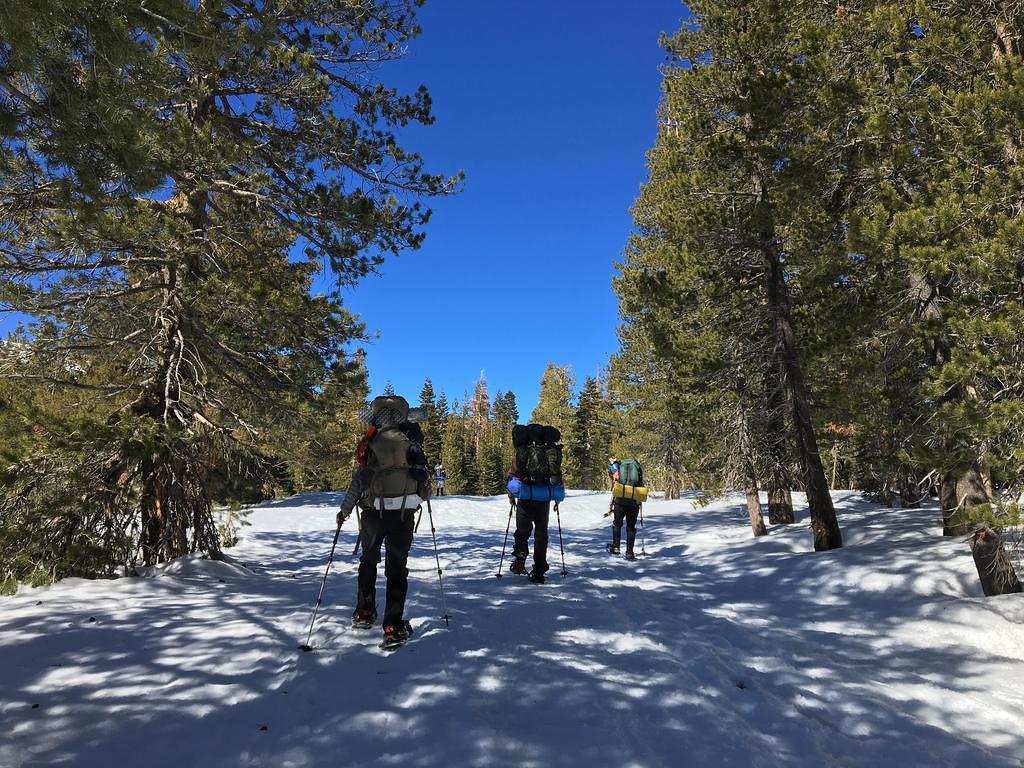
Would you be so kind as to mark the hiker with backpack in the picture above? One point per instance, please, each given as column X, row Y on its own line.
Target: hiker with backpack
column 628, row 493
column 389, row 484
column 536, row 481
column 439, row 478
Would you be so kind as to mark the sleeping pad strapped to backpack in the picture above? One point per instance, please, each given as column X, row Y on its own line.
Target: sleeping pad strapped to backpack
column 630, row 483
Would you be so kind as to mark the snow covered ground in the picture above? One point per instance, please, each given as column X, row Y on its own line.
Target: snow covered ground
column 714, row 649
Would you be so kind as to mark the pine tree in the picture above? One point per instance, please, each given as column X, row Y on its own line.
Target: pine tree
column 457, row 454
column 432, row 425
column 591, row 438
column 506, row 416
column 738, row 188
column 555, row 408
column 936, row 219
column 479, row 413
column 319, row 449
column 172, row 183
column 506, row 412
column 491, row 460
column 442, row 408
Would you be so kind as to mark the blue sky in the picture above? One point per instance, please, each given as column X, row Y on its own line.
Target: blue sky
column 549, row 108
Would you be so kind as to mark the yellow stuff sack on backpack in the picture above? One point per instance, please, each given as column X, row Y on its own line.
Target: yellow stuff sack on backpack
column 632, row 492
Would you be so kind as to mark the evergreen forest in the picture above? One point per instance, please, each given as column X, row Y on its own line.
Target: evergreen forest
column 823, row 287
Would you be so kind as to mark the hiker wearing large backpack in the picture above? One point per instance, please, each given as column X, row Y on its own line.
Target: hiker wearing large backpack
column 628, row 493
column 536, row 481
column 390, row 482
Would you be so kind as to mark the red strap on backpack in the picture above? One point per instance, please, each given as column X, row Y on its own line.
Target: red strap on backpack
column 364, row 446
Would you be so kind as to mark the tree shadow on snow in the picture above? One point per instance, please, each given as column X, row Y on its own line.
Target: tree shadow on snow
column 685, row 657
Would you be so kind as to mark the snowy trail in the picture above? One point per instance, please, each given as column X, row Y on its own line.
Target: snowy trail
column 715, row 649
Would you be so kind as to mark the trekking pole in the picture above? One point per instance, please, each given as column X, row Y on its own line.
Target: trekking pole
column 437, row 559
column 558, row 517
column 418, row 518
column 306, row 646
column 643, row 549
column 508, row 527
column 359, row 533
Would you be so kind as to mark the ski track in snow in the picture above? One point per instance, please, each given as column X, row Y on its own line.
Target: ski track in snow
column 714, row 649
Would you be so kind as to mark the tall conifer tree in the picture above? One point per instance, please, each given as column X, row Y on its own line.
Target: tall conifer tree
column 555, row 408
column 433, row 435
column 737, row 189
column 171, row 184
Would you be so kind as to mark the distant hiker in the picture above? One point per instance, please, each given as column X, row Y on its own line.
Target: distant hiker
column 536, row 481
column 628, row 493
column 439, row 478
column 389, row 484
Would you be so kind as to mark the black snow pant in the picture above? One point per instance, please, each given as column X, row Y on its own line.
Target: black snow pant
column 393, row 530
column 532, row 515
column 624, row 508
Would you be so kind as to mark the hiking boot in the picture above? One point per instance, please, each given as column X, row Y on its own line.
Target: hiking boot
column 518, row 566
column 630, row 556
column 363, row 618
column 396, row 634
column 536, row 577
column 613, row 549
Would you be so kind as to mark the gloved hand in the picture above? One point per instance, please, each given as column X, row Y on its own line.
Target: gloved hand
column 341, row 517
column 513, row 486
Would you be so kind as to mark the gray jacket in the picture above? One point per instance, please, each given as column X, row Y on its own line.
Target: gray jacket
column 352, row 495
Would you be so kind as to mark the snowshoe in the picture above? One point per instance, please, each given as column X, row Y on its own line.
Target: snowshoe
column 363, row 618
column 396, row 635
column 518, row 566
column 536, row 577
column 630, row 556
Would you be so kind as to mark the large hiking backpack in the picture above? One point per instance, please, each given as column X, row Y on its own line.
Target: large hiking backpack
column 538, row 463
column 630, row 472
column 394, row 468
column 538, row 454
column 630, row 483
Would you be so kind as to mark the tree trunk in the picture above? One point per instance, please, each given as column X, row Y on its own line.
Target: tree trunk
column 994, row 567
column 152, row 511
column 958, row 492
column 779, row 483
column 746, row 458
column 754, row 511
column 824, row 525
column 780, row 498
column 170, row 504
column 910, row 496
